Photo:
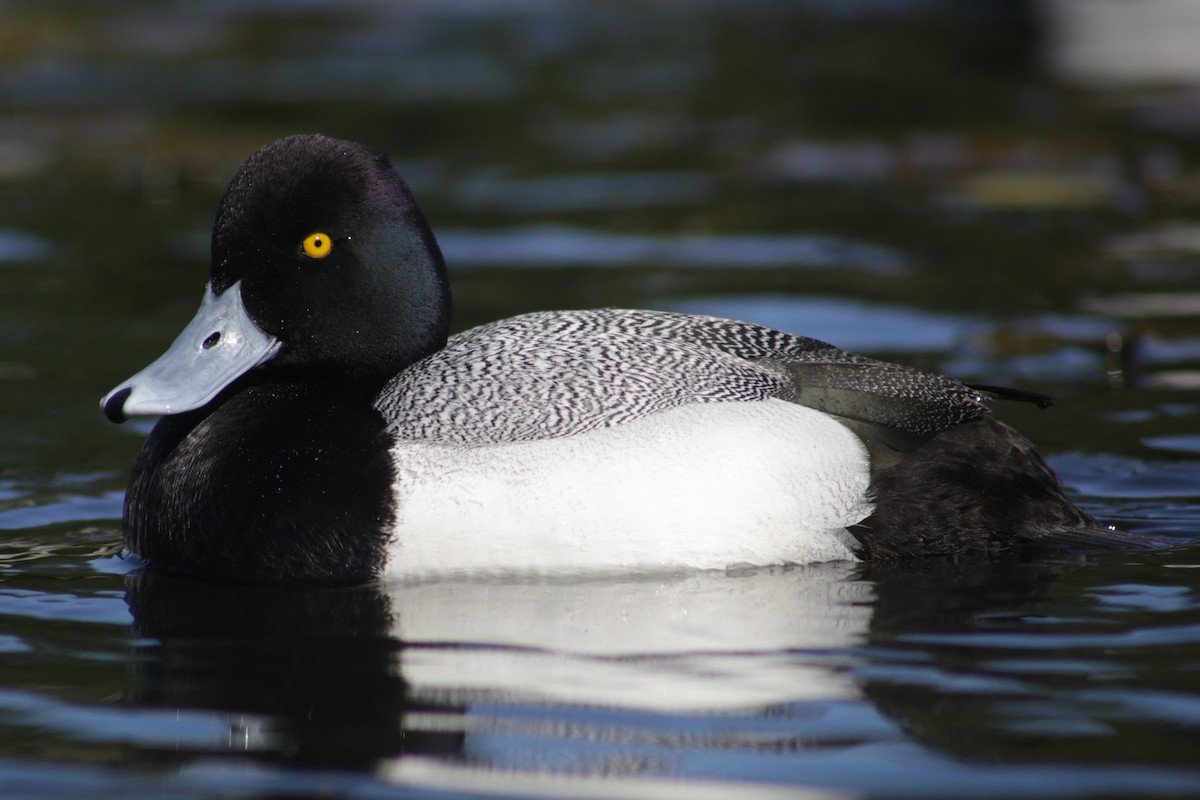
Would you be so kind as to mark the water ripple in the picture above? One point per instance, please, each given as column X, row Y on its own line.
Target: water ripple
column 1161, row 636
column 72, row 508
column 559, row 247
column 17, row 246
column 106, row 607
column 168, row 728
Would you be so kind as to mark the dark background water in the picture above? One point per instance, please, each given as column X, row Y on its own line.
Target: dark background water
column 1003, row 191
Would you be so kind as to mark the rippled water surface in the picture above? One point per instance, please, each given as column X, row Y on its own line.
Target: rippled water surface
column 1005, row 192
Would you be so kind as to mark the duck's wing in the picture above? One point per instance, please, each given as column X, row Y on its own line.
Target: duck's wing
column 891, row 407
column 553, row 374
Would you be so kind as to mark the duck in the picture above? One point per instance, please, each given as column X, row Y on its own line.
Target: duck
column 318, row 423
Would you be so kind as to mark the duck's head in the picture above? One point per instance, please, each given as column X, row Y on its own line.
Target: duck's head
column 322, row 266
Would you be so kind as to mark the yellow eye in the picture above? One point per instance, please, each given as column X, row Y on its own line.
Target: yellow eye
column 317, row 245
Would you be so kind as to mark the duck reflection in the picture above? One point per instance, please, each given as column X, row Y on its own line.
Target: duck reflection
column 704, row 641
column 306, row 675
column 597, row 676
column 347, row 677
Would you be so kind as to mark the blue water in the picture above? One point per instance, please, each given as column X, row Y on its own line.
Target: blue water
column 944, row 184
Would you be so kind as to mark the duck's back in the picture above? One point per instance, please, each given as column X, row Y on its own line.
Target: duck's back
column 554, row 374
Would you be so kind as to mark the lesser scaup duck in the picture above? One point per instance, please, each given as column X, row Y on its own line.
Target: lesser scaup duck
column 318, row 424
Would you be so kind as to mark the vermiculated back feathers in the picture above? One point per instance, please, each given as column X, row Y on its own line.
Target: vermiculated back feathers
column 552, row 374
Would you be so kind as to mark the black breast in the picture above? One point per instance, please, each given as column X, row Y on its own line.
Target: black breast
column 274, row 482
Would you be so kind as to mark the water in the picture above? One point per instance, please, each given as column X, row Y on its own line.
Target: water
column 984, row 190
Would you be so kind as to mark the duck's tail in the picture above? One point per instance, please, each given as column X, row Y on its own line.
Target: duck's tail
column 979, row 487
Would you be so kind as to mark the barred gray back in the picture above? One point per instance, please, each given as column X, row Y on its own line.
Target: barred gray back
column 559, row 373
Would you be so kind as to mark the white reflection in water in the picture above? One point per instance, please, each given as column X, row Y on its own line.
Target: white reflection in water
column 692, row 642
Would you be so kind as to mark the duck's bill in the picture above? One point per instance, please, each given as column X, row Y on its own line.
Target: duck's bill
column 220, row 344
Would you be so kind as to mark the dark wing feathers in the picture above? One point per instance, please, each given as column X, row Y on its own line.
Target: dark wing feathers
column 893, row 409
column 844, row 384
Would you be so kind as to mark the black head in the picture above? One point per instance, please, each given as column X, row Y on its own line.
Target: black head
column 334, row 258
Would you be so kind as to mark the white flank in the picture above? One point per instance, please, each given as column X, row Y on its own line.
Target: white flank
column 703, row 486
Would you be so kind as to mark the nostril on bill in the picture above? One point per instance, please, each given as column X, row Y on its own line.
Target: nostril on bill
column 114, row 409
column 211, row 340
